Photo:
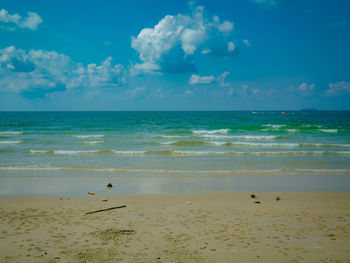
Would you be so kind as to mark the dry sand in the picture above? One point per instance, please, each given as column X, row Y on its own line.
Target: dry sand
column 220, row 227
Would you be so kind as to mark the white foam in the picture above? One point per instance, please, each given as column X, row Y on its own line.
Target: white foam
column 130, row 153
column 243, row 137
column 221, row 131
column 75, row 152
column 93, row 142
column 274, row 126
column 324, row 145
column 292, row 130
column 329, row 130
column 89, row 136
column 171, row 171
column 263, row 144
column 171, row 136
column 197, row 153
column 167, row 143
column 201, row 153
column 62, row 152
column 310, row 125
column 38, row 152
column 7, row 133
column 213, row 136
column 217, row 143
column 71, row 152
column 10, row 142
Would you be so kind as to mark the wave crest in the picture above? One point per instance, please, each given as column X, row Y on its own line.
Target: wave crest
column 220, row 131
column 89, row 136
column 9, row 133
column 10, row 142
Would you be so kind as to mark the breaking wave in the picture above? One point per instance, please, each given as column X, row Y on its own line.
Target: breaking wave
column 179, row 171
column 89, row 136
column 10, row 142
column 189, row 153
column 221, row 131
column 9, row 133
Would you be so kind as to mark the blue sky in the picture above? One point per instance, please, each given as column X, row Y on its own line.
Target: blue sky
column 174, row 55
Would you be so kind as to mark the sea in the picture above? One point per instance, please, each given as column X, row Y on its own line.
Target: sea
column 74, row 153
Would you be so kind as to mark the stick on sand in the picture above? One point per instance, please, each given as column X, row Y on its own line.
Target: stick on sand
column 102, row 210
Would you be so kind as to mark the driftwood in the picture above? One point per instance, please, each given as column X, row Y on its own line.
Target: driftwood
column 102, row 210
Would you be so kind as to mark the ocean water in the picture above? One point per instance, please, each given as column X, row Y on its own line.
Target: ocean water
column 71, row 153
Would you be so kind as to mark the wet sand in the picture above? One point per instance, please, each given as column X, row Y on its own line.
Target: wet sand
column 219, row 227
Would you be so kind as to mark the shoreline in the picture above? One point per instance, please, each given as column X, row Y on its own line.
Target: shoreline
column 68, row 187
column 212, row 227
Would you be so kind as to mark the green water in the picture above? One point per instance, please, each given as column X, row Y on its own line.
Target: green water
column 173, row 152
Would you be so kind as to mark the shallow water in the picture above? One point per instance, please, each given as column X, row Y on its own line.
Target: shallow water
column 174, row 152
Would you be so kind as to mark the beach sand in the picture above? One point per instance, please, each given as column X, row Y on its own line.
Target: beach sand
column 218, row 227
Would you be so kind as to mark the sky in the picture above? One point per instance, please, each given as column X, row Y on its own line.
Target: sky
column 174, row 55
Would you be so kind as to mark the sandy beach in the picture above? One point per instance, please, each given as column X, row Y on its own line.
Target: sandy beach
column 218, row 227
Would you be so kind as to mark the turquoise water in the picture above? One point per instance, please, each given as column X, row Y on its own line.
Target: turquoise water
column 70, row 153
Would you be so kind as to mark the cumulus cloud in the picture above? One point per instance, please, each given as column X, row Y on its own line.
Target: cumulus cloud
column 226, row 26
column 338, row 88
column 49, row 71
column 303, row 89
column 170, row 45
column 196, row 79
column 231, row 46
column 31, row 21
column 220, row 80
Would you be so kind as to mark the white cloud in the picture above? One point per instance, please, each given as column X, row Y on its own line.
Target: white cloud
column 226, row 26
column 170, row 45
column 303, row 89
column 243, row 91
column 48, row 71
column 206, row 51
column 190, row 39
column 31, row 21
column 7, row 18
column 338, row 88
column 196, row 79
column 147, row 67
column 246, row 42
column 231, row 46
column 306, row 87
column 221, row 79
